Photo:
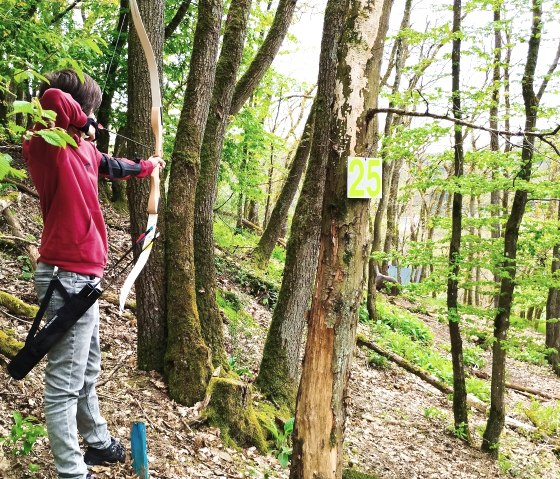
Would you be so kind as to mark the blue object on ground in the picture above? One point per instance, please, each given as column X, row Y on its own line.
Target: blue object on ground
column 138, row 450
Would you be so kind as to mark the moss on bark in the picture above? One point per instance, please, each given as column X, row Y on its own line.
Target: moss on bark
column 17, row 306
column 231, row 410
column 9, row 346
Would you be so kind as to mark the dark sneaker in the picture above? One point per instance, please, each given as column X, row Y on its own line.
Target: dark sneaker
column 98, row 457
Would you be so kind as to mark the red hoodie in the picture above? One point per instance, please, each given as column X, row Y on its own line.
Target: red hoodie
column 74, row 235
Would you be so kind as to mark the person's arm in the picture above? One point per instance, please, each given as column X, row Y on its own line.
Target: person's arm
column 123, row 169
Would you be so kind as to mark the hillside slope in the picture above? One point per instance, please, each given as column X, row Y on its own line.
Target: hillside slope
column 398, row 426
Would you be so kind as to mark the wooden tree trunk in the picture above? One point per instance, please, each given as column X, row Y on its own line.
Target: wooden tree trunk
column 495, row 196
column 460, row 409
column 279, row 214
column 321, row 405
column 392, row 234
column 553, row 311
column 279, row 369
column 150, row 285
column 116, row 47
column 188, row 358
column 496, row 418
column 370, row 143
column 211, row 152
column 265, row 55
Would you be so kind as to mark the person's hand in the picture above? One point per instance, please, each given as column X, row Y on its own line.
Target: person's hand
column 157, row 162
column 90, row 129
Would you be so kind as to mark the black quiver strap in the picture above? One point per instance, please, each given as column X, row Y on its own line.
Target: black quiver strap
column 38, row 344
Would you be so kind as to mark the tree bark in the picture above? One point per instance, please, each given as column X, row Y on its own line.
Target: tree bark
column 460, row 409
column 279, row 369
column 188, row 359
column 111, row 77
column 265, row 55
column 392, row 232
column 321, row 406
column 150, row 290
column 279, row 214
column 495, row 196
column 211, row 152
column 553, row 311
column 495, row 424
column 371, row 139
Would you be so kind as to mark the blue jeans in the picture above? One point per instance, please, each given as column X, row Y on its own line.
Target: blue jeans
column 74, row 363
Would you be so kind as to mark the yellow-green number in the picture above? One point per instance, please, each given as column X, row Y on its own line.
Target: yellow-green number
column 374, row 176
column 356, row 192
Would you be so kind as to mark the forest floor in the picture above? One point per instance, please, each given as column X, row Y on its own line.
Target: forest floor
column 398, row 425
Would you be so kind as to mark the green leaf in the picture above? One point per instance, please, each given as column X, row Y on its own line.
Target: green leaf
column 284, row 458
column 22, row 107
column 66, row 137
column 289, row 426
column 21, row 76
column 57, row 137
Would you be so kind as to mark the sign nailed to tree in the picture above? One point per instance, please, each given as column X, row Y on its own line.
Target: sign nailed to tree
column 364, row 177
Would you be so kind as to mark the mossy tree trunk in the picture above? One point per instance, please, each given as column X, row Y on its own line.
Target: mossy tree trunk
column 188, row 359
column 279, row 214
column 150, row 293
column 279, row 369
column 496, row 418
column 553, row 311
column 321, row 406
column 212, row 145
column 460, row 409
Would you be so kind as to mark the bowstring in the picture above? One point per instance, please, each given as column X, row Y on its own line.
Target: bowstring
column 113, row 55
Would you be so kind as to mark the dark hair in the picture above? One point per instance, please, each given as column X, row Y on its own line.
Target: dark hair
column 87, row 94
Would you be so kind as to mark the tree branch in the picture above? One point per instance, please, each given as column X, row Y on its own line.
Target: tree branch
column 551, row 70
column 536, row 134
column 65, row 11
column 265, row 55
column 177, row 19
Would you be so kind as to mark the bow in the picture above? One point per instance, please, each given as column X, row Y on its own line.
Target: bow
column 153, row 200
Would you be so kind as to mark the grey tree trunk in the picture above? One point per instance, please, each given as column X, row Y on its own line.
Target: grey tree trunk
column 265, row 55
column 279, row 369
column 496, row 418
column 371, row 142
column 553, row 311
column 150, row 290
column 460, row 409
column 211, row 152
column 117, row 46
column 279, row 214
column 188, row 359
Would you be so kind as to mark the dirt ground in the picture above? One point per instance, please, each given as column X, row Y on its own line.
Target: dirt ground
column 389, row 433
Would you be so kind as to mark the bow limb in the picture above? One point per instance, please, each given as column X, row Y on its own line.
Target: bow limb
column 155, row 118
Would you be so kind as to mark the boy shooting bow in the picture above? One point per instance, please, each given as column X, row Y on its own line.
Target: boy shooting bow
column 74, row 247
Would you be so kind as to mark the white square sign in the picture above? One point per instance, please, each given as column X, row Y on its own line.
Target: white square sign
column 364, row 177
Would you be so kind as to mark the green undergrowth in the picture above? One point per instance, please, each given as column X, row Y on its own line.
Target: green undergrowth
column 522, row 344
column 403, row 333
column 546, row 418
column 239, row 324
column 239, row 244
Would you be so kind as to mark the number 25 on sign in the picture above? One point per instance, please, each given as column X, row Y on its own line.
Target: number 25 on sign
column 364, row 177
